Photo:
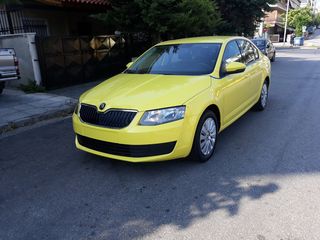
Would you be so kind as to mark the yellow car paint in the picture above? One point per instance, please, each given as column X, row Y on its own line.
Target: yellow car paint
column 232, row 95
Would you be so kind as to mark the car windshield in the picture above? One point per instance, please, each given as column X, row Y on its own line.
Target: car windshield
column 178, row 59
column 259, row 43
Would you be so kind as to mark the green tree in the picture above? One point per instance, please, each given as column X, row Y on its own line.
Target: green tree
column 316, row 19
column 166, row 18
column 182, row 18
column 297, row 18
column 124, row 15
column 241, row 17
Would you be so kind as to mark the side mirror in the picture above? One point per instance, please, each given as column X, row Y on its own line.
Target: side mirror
column 235, row 67
column 129, row 64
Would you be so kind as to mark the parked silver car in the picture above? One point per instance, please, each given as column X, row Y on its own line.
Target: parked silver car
column 266, row 46
column 9, row 66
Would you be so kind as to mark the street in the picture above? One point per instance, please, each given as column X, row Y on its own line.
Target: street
column 262, row 184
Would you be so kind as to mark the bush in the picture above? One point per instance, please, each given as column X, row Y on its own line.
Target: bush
column 31, row 87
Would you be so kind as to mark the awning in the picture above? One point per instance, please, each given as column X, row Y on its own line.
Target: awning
column 282, row 26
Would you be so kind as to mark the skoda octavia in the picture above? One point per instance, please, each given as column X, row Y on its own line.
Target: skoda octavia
column 173, row 100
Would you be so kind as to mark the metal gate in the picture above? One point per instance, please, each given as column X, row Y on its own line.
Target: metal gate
column 12, row 21
column 72, row 60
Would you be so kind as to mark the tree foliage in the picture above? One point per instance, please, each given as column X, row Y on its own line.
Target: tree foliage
column 241, row 16
column 297, row 18
column 182, row 18
column 316, row 19
column 169, row 18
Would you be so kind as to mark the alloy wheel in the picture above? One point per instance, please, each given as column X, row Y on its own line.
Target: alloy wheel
column 208, row 136
column 264, row 95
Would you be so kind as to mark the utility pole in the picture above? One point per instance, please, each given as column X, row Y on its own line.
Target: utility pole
column 286, row 23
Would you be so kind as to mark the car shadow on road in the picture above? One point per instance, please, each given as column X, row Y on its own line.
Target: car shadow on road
column 179, row 192
column 99, row 198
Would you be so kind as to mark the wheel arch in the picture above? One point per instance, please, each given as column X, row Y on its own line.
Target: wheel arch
column 215, row 109
column 267, row 80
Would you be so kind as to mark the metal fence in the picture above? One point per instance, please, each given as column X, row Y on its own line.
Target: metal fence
column 13, row 21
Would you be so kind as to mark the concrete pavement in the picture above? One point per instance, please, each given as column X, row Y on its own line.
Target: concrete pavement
column 314, row 39
column 262, row 184
column 75, row 91
column 18, row 109
column 313, row 42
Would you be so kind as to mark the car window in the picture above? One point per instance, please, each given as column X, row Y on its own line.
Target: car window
column 247, row 50
column 232, row 53
column 178, row 59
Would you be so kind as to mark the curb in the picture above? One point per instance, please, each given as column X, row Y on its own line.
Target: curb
column 309, row 47
column 294, row 48
column 54, row 113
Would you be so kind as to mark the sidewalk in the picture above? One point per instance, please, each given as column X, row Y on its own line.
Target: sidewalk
column 18, row 109
column 312, row 43
column 281, row 45
column 75, row 91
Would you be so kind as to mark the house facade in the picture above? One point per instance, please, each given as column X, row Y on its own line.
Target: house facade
column 58, row 43
column 309, row 3
column 52, row 17
column 274, row 21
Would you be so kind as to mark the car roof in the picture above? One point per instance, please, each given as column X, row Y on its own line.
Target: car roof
column 209, row 39
column 259, row 39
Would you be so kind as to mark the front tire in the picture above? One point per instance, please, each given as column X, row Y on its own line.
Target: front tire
column 263, row 99
column 205, row 139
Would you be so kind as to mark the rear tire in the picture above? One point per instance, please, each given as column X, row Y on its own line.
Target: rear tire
column 205, row 139
column 263, row 99
column 2, row 84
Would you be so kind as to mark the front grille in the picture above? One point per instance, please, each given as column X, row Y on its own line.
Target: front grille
column 112, row 118
column 126, row 150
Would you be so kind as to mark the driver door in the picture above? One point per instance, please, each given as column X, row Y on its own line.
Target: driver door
column 234, row 88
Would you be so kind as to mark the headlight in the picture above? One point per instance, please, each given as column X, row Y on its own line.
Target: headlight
column 160, row 116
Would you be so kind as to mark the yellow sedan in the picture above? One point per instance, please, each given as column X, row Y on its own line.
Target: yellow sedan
column 173, row 100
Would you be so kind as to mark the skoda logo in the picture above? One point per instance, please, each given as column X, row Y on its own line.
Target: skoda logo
column 102, row 106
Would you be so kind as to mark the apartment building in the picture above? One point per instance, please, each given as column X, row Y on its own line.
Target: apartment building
column 309, row 3
column 274, row 21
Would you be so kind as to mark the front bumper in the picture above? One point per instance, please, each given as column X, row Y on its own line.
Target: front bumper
column 136, row 143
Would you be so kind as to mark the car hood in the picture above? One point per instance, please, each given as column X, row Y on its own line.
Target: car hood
column 145, row 91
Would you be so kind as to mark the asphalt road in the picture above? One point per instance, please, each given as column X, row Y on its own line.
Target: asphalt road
column 263, row 183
